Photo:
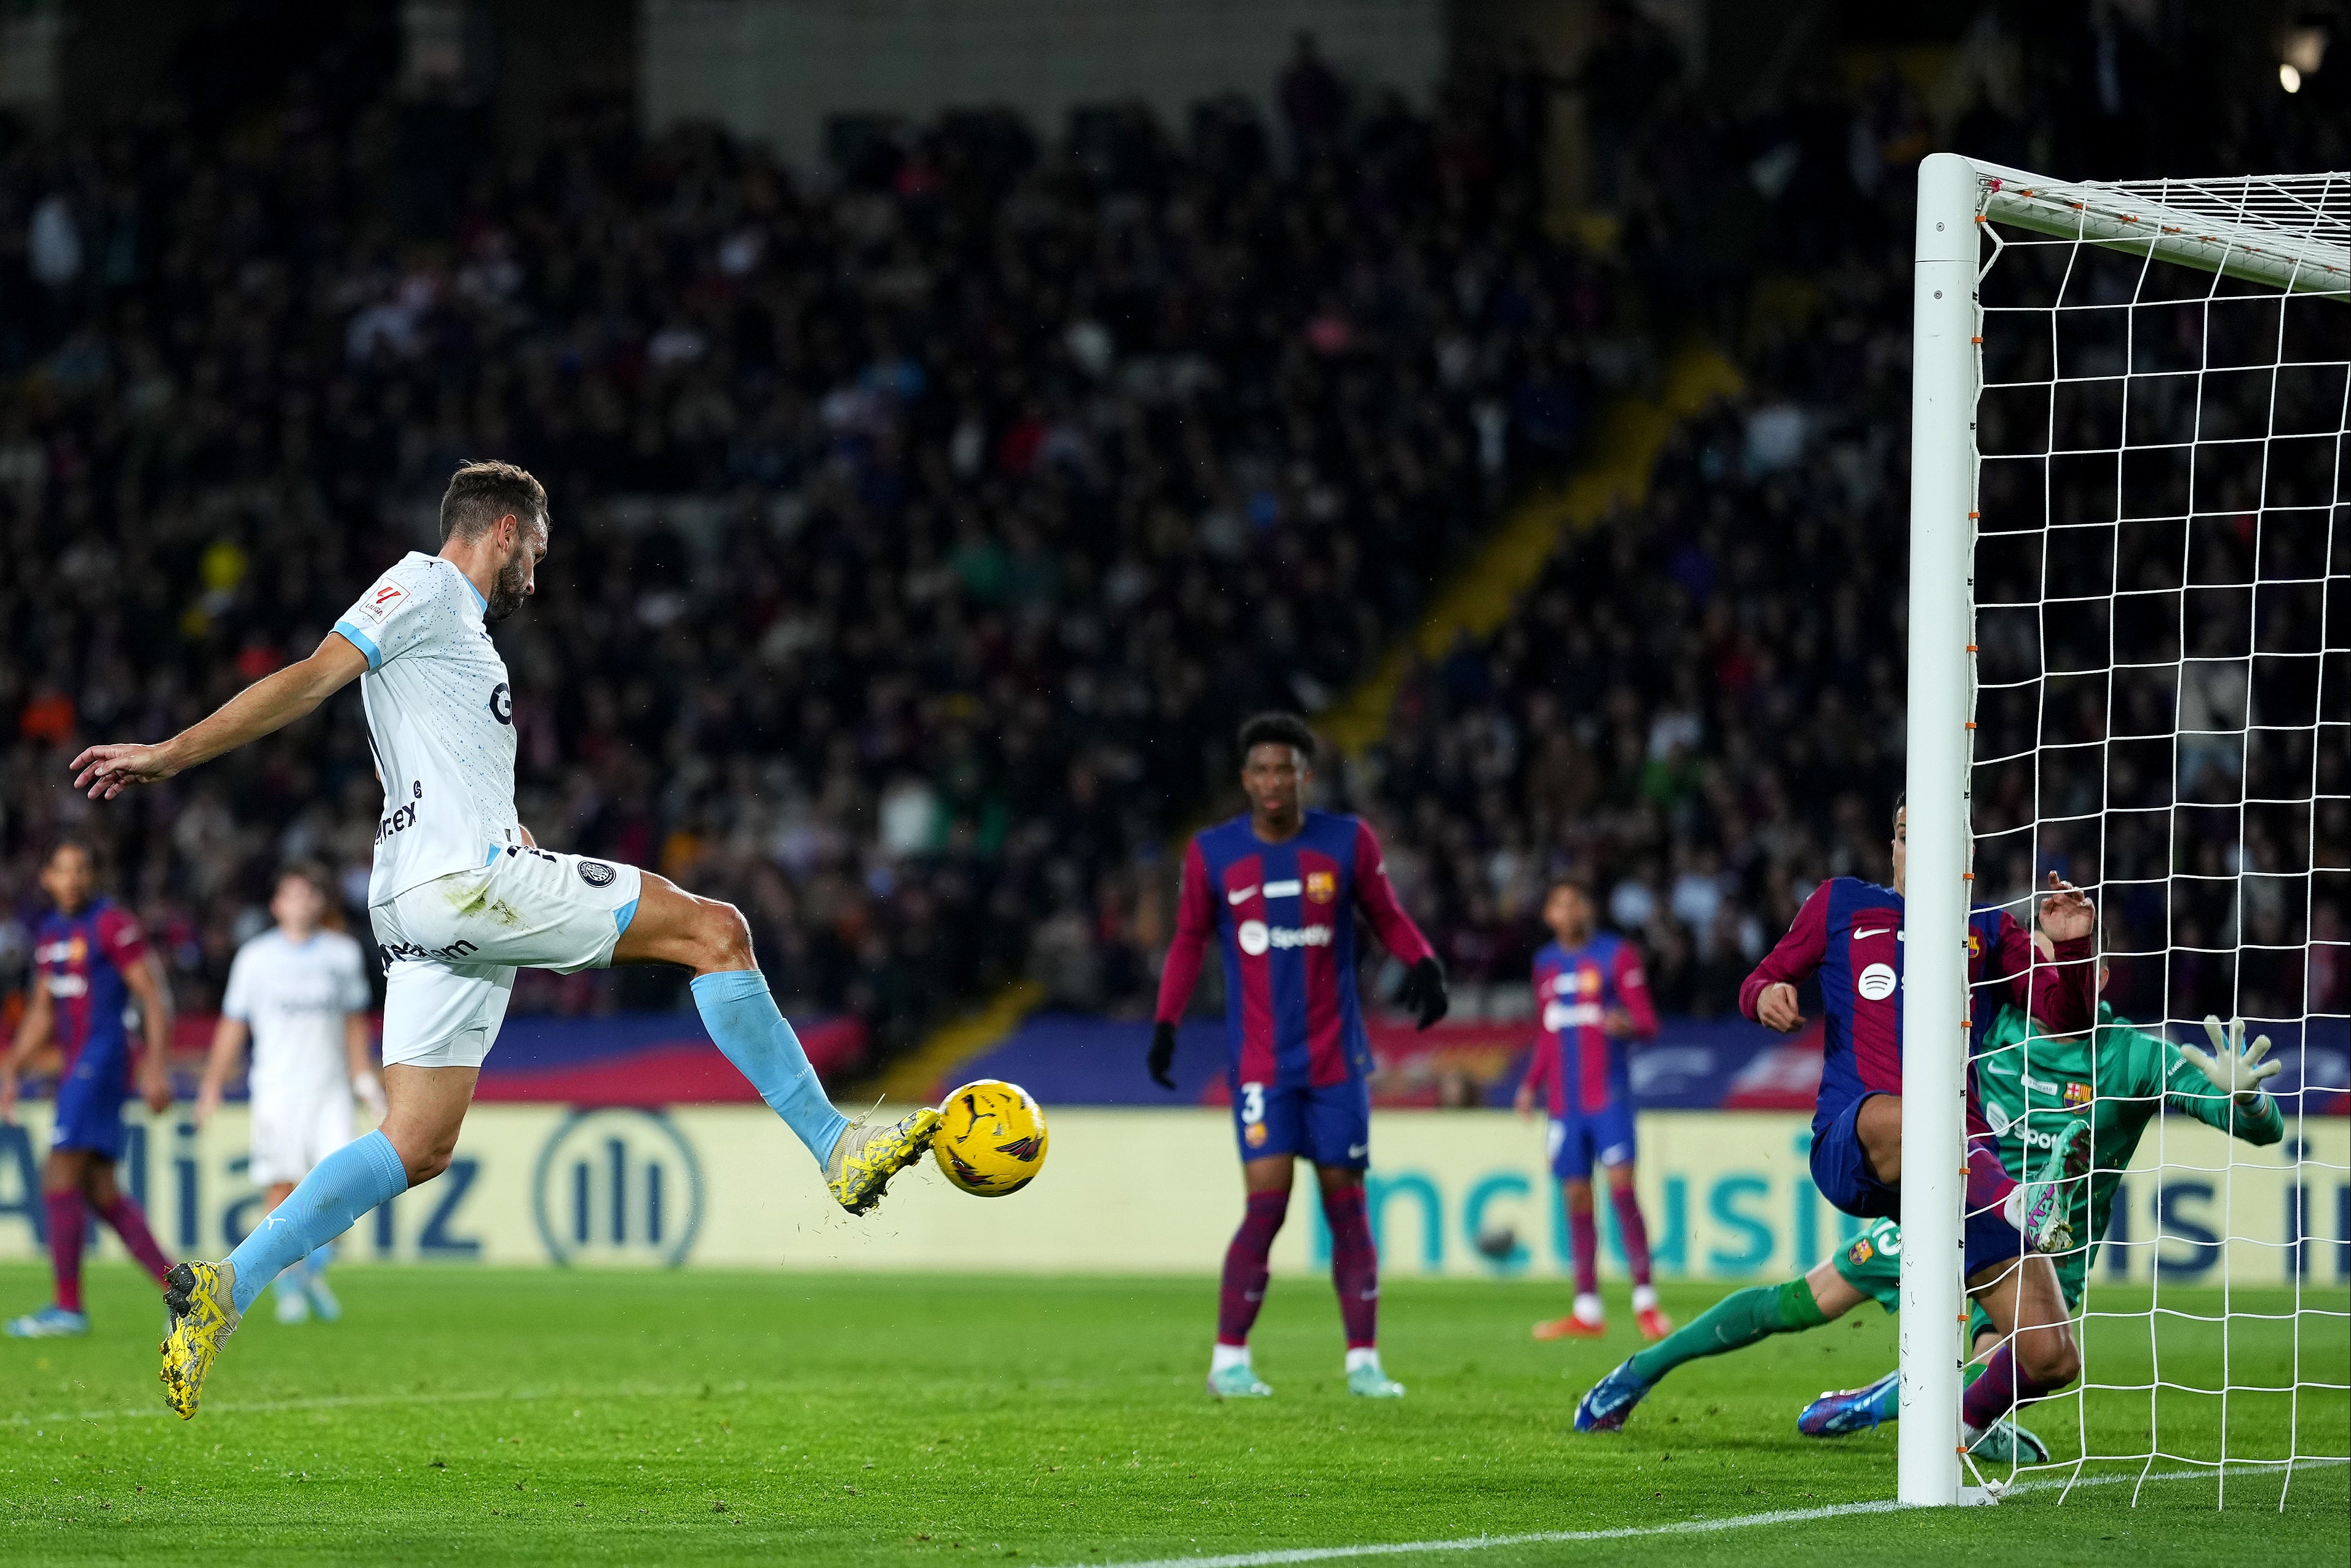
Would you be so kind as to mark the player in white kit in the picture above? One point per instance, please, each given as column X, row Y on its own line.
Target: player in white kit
column 461, row 896
column 299, row 990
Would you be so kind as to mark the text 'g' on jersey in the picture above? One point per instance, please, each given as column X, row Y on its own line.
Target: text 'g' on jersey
column 1286, row 914
column 440, row 717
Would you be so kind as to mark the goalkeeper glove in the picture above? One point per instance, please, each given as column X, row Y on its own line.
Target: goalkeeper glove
column 1162, row 1054
column 368, row 1090
column 2234, row 1068
column 1422, row 991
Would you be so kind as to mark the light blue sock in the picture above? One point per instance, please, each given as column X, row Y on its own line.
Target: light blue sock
column 339, row 1188
column 743, row 1018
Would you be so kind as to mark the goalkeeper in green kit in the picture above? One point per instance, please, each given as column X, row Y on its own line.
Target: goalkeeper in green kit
column 2122, row 1077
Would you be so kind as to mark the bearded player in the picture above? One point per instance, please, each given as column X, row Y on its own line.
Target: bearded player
column 461, row 896
column 90, row 961
column 1279, row 886
column 1849, row 932
column 1591, row 997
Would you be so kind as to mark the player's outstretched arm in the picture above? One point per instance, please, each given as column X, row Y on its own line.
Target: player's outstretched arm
column 1196, row 921
column 2224, row 1089
column 269, row 705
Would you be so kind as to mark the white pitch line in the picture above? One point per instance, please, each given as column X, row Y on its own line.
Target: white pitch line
column 1623, row 1532
column 346, row 1401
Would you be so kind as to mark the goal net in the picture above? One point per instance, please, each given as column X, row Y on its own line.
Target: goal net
column 2131, row 667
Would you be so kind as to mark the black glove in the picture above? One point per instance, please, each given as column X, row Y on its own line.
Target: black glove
column 1162, row 1054
column 1422, row 991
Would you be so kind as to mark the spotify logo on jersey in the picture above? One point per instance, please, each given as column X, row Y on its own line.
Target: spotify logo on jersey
column 1253, row 937
column 1877, row 982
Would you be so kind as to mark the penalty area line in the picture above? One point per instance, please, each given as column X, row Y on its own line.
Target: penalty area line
column 1680, row 1527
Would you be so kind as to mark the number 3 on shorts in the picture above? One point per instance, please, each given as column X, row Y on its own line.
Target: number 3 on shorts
column 1253, row 1103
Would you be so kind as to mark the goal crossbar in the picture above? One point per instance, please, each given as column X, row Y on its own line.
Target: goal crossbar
column 2290, row 232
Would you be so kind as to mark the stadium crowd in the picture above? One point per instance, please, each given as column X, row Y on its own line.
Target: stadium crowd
column 920, row 535
column 1701, row 705
column 915, row 538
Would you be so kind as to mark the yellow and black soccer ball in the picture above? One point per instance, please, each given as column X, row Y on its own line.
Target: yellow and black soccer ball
column 991, row 1138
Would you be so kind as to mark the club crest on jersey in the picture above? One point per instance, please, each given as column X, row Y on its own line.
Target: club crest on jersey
column 1975, row 944
column 1321, row 886
column 1860, row 1252
column 596, row 873
column 2077, row 1096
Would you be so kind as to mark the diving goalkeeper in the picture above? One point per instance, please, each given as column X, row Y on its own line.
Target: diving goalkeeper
column 2125, row 1075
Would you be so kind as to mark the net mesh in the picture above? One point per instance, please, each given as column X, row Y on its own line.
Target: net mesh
column 2163, row 711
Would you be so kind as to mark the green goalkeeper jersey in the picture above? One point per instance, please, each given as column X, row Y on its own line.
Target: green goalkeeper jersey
column 2123, row 1077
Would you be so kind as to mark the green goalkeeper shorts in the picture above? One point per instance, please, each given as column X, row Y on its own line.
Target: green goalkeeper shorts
column 1872, row 1263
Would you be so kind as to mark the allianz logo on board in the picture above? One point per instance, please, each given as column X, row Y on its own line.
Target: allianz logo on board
column 617, row 1187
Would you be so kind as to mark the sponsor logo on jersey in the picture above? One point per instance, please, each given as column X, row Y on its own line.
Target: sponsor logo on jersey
column 391, row 953
column 596, row 873
column 1256, row 936
column 1860, row 933
column 1321, row 886
column 399, row 821
column 67, row 988
column 1876, row 983
column 1557, row 1015
column 502, row 704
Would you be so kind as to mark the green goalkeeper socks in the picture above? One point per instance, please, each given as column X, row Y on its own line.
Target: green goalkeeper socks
column 1740, row 1319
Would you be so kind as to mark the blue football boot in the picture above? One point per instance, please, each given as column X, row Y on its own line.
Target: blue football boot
column 1607, row 1402
column 1842, row 1411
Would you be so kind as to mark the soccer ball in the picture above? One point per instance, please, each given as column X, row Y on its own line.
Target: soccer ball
column 991, row 1138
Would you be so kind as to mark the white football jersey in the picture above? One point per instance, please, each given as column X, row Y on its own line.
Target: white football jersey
column 440, row 718
column 293, row 995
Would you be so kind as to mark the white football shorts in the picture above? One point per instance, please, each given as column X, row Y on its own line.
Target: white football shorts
column 293, row 1130
column 450, row 946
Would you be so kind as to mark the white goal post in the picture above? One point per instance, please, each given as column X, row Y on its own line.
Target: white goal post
column 2281, row 238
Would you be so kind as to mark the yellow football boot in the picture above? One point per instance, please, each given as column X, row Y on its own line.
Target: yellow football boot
column 865, row 1159
column 204, row 1313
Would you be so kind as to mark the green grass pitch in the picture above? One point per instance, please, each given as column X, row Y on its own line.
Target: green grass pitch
column 509, row 1416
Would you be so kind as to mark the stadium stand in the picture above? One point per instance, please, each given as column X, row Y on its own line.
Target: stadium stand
column 917, row 539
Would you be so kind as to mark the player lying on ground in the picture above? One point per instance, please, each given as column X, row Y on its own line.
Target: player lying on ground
column 2133, row 1075
column 1591, row 997
column 1279, row 886
column 89, row 960
column 1849, row 933
column 461, row 896
column 2034, row 1087
column 299, row 990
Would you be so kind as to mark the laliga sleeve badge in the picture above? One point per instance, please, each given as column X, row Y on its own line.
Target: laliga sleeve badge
column 596, row 873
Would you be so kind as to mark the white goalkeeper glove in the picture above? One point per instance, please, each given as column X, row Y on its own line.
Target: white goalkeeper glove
column 2234, row 1068
column 368, row 1090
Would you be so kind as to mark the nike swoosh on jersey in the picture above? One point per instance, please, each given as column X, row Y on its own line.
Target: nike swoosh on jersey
column 1241, row 895
column 1873, row 931
column 1357, row 1151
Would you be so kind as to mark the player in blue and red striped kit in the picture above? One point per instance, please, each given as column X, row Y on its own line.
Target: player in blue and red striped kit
column 1279, row 886
column 1591, row 997
column 1849, row 933
column 90, row 962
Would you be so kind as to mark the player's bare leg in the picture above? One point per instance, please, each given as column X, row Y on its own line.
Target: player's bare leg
column 1879, row 1125
column 1589, row 1320
column 672, row 925
column 1355, row 1274
column 1265, row 1185
column 1624, row 1196
column 2034, row 1355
